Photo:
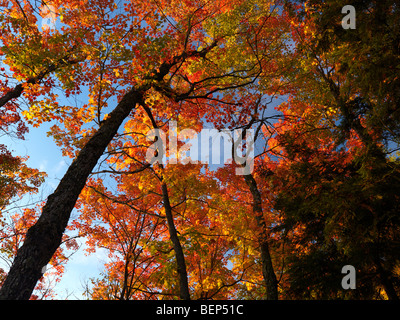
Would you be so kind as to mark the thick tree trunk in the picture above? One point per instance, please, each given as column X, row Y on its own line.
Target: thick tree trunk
column 43, row 238
column 179, row 255
column 269, row 276
column 12, row 94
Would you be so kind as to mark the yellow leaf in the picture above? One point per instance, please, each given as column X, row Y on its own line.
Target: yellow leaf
column 249, row 286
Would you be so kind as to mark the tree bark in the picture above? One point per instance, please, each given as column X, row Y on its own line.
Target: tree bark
column 184, row 292
column 269, row 276
column 179, row 255
column 43, row 238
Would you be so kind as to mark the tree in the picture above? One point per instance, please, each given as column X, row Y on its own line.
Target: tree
column 12, row 235
column 321, row 193
column 179, row 44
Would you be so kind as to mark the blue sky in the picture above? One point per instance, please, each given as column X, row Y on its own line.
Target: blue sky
column 46, row 156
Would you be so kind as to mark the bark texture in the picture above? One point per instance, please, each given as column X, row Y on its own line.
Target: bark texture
column 43, row 238
column 269, row 276
column 179, row 255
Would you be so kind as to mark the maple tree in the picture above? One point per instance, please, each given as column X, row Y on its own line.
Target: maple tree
column 322, row 189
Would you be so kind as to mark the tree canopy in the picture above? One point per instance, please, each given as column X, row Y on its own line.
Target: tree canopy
column 141, row 96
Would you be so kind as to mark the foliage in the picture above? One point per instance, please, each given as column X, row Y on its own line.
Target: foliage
column 324, row 191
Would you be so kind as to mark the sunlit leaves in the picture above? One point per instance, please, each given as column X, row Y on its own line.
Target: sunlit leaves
column 321, row 171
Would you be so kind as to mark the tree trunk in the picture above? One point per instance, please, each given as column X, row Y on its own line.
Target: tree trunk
column 43, row 238
column 180, row 257
column 269, row 276
column 173, row 234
